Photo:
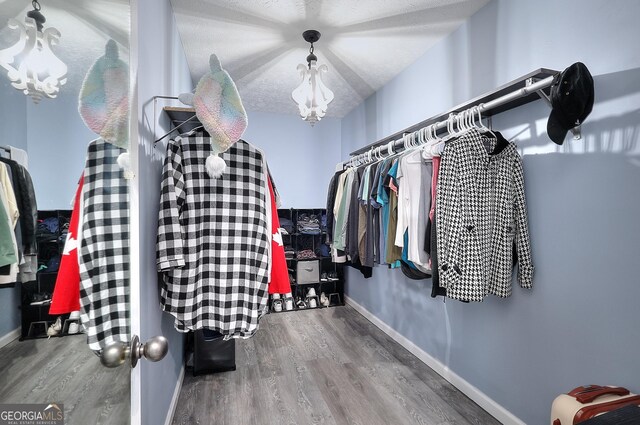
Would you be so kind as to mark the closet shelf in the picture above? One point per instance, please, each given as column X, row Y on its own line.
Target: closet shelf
column 512, row 86
column 178, row 115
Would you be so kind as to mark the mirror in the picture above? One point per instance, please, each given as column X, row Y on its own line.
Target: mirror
column 69, row 298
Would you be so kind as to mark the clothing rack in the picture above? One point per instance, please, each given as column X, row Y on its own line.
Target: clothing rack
column 516, row 93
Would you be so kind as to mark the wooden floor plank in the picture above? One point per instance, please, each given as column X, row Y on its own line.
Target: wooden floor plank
column 324, row 366
column 65, row 370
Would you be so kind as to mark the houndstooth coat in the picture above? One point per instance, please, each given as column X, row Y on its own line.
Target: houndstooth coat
column 214, row 240
column 480, row 214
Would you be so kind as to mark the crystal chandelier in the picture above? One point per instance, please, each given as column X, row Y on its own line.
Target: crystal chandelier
column 31, row 65
column 312, row 96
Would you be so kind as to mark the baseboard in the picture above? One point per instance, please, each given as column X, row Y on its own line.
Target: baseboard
column 483, row 400
column 176, row 396
column 9, row 337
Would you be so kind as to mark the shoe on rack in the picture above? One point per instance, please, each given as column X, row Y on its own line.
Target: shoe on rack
column 288, row 302
column 311, row 293
column 333, row 276
column 312, row 302
column 324, row 301
column 75, row 315
column 55, row 328
column 276, row 303
column 323, row 277
column 74, row 328
column 301, row 304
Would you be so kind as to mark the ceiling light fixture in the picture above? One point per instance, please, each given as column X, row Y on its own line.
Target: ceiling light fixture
column 31, row 65
column 312, row 96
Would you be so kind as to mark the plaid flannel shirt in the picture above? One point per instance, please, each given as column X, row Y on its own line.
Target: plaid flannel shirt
column 213, row 242
column 104, row 248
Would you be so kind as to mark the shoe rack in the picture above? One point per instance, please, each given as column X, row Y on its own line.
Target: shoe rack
column 330, row 276
column 34, row 308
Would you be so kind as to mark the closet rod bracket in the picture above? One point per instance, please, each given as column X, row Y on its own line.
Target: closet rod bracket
column 576, row 131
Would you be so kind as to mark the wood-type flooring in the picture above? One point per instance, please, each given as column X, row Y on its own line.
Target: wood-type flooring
column 64, row 370
column 324, row 366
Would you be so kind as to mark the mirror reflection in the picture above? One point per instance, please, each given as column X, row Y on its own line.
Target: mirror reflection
column 64, row 206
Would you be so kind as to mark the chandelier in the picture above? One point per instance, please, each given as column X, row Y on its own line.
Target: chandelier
column 31, row 65
column 312, row 96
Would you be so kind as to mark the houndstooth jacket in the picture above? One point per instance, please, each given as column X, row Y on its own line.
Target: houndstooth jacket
column 103, row 255
column 213, row 240
column 480, row 214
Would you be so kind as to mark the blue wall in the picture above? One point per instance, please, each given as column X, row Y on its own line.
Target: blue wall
column 57, row 146
column 579, row 324
column 301, row 158
column 162, row 70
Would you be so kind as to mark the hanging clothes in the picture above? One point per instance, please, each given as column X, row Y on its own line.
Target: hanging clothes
column 11, row 204
column 331, row 201
column 480, row 213
column 104, row 248
column 345, row 185
column 382, row 199
column 394, row 253
column 279, row 278
column 214, row 243
column 414, row 203
column 8, row 246
column 66, row 292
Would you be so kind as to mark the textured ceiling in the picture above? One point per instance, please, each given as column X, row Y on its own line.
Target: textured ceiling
column 365, row 43
column 85, row 27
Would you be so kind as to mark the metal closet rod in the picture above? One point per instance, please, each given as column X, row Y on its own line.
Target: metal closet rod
column 483, row 107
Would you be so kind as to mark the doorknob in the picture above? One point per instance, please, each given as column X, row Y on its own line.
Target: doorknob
column 116, row 354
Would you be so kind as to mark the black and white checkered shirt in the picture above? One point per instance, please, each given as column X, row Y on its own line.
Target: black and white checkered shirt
column 481, row 212
column 104, row 248
column 214, row 238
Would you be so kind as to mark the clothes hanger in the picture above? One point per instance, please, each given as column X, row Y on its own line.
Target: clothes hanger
column 437, row 145
column 483, row 129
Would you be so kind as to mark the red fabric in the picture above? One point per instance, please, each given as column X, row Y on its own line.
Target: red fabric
column 66, row 293
column 279, row 279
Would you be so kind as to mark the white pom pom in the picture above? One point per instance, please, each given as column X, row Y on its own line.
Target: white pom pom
column 124, row 161
column 215, row 166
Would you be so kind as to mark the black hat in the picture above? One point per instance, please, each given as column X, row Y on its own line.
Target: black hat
column 571, row 101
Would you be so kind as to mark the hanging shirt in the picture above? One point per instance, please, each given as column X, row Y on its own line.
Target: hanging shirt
column 66, row 292
column 104, row 248
column 394, row 253
column 8, row 245
column 339, row 238
column 363, row 207
column 382, row 198
column 331, row 200
column 214, row 238
column 12, row 209
column 414, row 202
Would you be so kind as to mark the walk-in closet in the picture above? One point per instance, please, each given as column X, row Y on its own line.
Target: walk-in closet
column 319, row 212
